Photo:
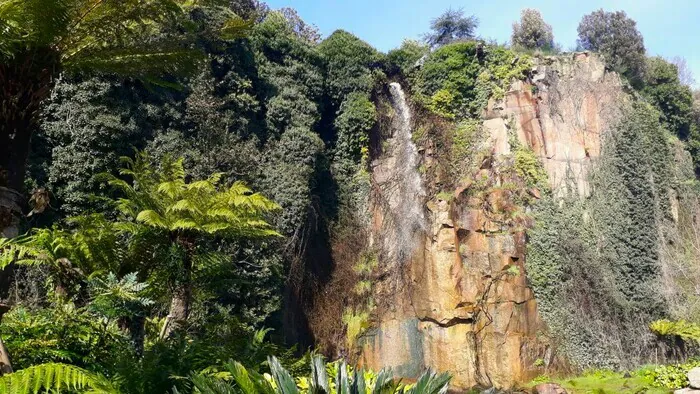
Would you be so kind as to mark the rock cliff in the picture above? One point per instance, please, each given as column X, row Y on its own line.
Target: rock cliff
column 460, row 301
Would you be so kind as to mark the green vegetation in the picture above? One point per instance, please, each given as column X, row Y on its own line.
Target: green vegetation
column 42, row 38
column 242, row 228
column 606, row 382
column 457, row 80
column 613, row 283
column 687, row 331
column 616, row 37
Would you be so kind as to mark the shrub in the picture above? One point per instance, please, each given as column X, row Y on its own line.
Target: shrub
column 351, row 65
column 532, row 32
column 457, row 80
column 356, row 117
column 685, row 330
column 664, row 90
column 407, row 56
column 671, row 376
column 332, row 378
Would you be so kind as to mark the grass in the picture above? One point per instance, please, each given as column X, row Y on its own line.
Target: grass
column 605, row 382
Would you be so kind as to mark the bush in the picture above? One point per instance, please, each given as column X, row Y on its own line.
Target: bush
column 685, row 330
column 457, row 80
column 356, row 117
column 329, row 378
column 615, row 36
column 405, row 57
column 352, row 65
column 532, row 32
column 671, row 376
column 664, row 90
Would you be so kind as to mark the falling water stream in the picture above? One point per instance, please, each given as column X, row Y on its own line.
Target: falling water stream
column 407, row 193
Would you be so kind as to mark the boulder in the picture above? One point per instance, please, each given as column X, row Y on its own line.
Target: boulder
column 694, row 378
column 687, row 391
column 548, row 388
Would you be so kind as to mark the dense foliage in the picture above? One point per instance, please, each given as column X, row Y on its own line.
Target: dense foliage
column 176, row 215
column 616, row 281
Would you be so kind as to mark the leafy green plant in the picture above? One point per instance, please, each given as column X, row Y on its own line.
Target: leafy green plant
column 166, row 202
column 332, row 378
column 70, row 254
column 688, row 331
column 55, row 377
column 63, row 333
column 116, row 297
column 671, row 376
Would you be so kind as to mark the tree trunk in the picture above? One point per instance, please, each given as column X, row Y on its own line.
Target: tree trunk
column 137, row 333
column 5, row 364
column 25, row 81
column 182, row 294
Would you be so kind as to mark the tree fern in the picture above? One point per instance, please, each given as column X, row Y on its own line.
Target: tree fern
column 182, row 210
column 54, row 377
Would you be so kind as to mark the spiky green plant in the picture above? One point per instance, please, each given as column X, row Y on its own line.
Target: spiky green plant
column 163, row 200
column 333, row 378
column 55, row 377
column 39, row 39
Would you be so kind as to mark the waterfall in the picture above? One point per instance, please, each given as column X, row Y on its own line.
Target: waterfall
column 405, row 190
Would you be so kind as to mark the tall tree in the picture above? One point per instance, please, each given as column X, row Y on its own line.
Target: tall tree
column 615, row 36
column 41, row 38
column 162, row 199
column 451, row 26
column 532, row 32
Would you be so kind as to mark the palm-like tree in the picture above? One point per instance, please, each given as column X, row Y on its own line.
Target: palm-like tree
column 41, row 38
column 163, row 200
column 70, row 255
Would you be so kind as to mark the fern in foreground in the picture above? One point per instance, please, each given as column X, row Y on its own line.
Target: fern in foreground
column 55, row 377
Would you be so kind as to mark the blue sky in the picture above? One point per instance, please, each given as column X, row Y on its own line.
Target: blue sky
column 670, row 27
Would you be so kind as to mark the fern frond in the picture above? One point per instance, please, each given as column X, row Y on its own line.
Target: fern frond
column 140, row 63
column 171, row 189
column 184, row 224
column 152, row 218
column 185, row 206
column 53, row 377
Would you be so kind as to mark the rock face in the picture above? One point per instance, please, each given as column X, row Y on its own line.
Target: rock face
column 461, row 301
column 561, row 115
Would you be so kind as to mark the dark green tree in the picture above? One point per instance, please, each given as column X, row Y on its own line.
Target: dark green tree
column 451, row 26
column 614, row 35
column 532, row 32
column 665, row 91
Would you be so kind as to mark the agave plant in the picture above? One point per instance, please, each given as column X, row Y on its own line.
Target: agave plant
column 341, row 380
